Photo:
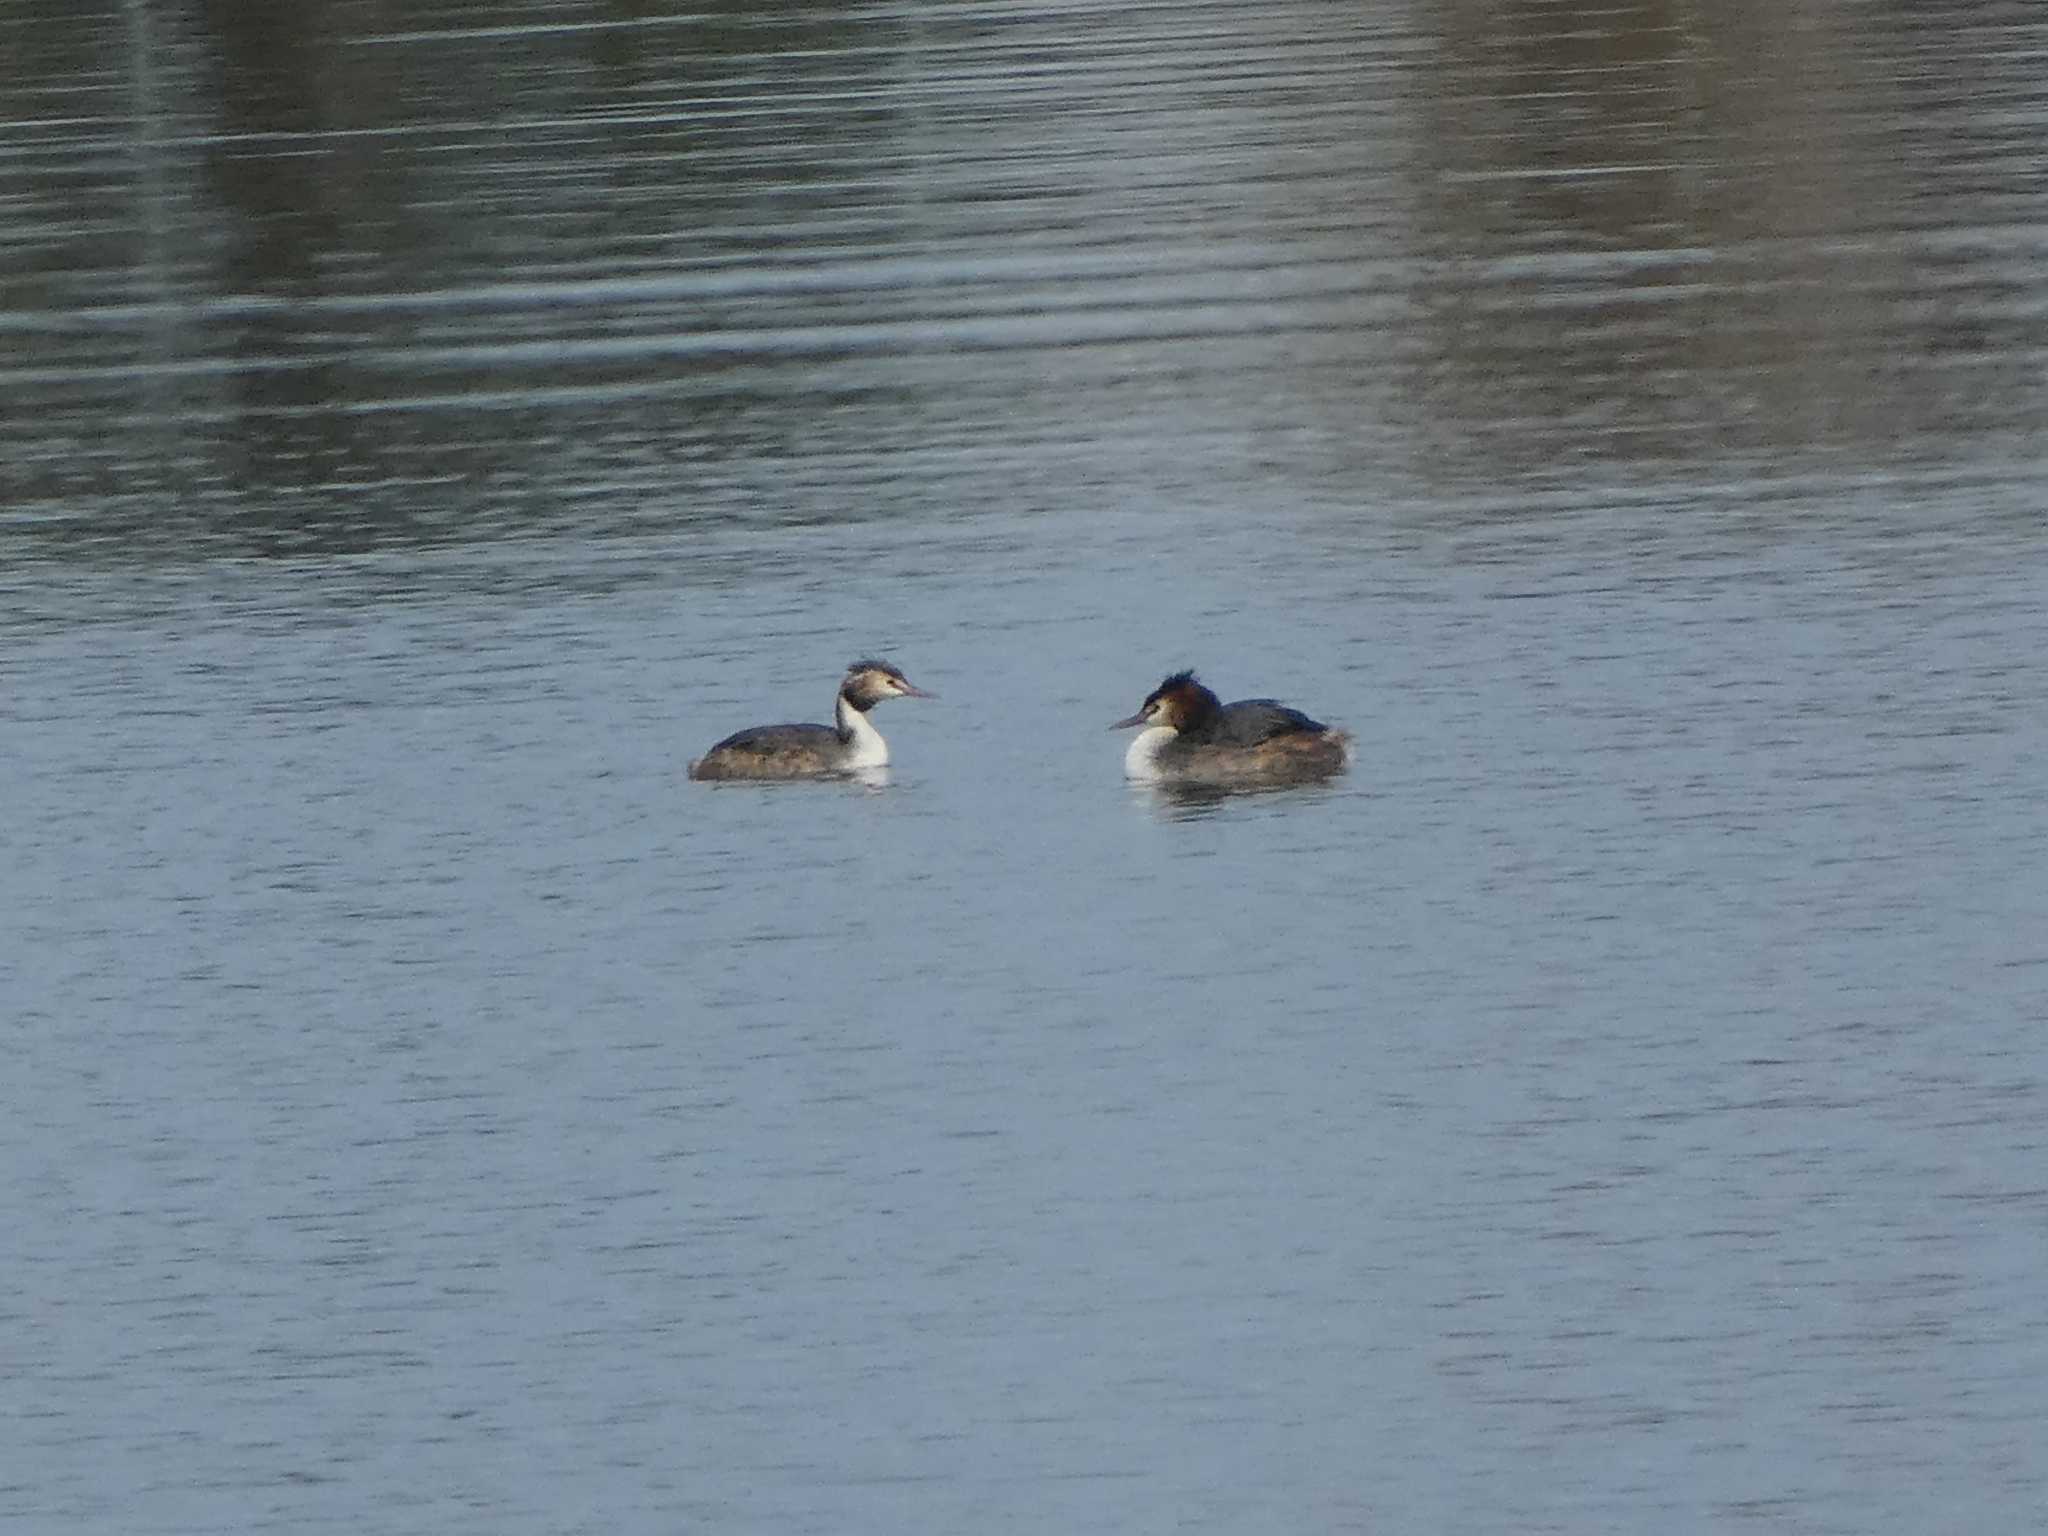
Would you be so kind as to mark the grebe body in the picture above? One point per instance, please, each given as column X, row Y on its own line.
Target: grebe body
column 848, row 745
column 1189, row 736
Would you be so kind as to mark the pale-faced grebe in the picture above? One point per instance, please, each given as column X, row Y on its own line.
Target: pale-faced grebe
column 1189, row 737
column 814, row 751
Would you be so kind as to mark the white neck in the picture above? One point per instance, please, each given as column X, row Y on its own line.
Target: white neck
column 1142, row 760
column 864, row 745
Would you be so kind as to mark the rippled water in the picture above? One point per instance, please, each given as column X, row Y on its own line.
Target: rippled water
column 1615, row 1106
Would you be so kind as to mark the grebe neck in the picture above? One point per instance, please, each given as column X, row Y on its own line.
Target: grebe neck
column 864, row 745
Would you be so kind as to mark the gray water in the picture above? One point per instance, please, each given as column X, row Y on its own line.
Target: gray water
column 1616, row 1105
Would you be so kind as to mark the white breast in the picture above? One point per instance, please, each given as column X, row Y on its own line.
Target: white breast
column 1142, row 760
column 865, row 749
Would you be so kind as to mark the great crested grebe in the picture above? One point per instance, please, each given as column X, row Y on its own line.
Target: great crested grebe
column 1190, row 737
column 815, row 751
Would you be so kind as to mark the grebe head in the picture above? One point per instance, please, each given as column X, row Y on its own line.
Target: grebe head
column 869, row 682
column 1177, row 704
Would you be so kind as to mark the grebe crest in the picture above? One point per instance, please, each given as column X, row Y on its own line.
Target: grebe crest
column 851, row 743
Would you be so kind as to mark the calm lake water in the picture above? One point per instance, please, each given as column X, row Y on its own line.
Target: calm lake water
column 1616, row 1106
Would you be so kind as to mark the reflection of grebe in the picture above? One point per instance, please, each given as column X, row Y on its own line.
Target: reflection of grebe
column 815, row 751
column 1189, row 737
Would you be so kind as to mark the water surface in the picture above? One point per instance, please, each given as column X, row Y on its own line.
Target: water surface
column 1614, row 1106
